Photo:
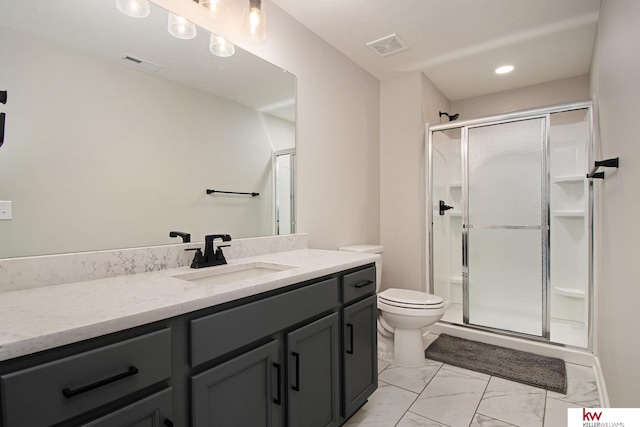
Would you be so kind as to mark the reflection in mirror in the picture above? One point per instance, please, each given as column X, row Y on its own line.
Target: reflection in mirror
column 285, row 191
column 103, row 152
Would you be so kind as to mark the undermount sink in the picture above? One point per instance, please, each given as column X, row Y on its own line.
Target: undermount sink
column 230, row 273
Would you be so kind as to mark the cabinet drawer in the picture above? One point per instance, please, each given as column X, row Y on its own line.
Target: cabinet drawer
column 220, row 333
column 358, row 284
column 71, row 386
column 155, row 410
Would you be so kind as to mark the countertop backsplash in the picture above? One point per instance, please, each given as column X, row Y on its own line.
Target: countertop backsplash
column 49, row 270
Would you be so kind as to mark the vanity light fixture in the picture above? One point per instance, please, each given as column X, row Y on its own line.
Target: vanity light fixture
column 504, row 69
column 220, row 46
column 181, row 28
column 217, row 8
column 253, row 22
column 134, row 8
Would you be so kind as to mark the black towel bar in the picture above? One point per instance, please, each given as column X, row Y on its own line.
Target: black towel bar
column 232, row 192
column 609, row 163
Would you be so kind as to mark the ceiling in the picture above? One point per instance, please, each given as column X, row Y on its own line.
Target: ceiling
column 459, row 43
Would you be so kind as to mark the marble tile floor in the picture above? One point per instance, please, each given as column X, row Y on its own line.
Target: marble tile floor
column 441, row 395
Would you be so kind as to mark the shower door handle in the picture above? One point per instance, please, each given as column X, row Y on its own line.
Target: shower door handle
column 444, row 207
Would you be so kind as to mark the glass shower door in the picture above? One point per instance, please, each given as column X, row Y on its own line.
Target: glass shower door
column 505, row 226
column 446, row 220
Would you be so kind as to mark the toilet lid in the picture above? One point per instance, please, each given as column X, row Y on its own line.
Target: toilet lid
column 409, row 297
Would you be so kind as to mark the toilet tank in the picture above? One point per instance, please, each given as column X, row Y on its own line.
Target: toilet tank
column 370, row 249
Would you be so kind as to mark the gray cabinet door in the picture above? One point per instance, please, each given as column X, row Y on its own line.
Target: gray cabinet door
column 313, row 374
column 244, row 391
column 153, row 411
column 360, row 353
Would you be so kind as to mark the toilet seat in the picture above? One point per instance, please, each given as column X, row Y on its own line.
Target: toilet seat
column 409, row 299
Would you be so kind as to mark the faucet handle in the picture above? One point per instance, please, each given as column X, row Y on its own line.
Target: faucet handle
column 198, row 258
column 219, row 255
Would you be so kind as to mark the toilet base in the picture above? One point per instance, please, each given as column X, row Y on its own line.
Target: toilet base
column 408, row 348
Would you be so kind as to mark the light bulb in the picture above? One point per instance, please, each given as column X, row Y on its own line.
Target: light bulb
column 219, row 46
column 134, row 8
column 217, row 8
column 181, row 28
column 254, row 21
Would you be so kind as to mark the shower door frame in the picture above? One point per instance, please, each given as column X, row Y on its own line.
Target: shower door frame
column 275, row 171
column 544, row 228
column 545, row 113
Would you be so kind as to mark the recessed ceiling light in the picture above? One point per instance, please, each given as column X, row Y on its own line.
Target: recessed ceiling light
column 504, row 69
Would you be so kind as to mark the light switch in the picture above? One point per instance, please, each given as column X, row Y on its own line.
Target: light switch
column 5, row 210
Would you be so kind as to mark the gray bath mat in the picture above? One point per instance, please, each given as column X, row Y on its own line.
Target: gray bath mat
column 515, row 365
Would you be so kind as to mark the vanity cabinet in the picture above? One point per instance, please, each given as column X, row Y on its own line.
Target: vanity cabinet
column 300, row 356
column 88, row 382
column 313, row 366
column 244, row 391
column 359, row 326
column 303, row 353
column 360, row 358
column 254, row 388
column 153, row 411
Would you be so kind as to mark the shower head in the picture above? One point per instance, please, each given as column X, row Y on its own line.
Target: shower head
column 451, row 117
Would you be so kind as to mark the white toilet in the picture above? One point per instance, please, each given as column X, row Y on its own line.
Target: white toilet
column 404, row 313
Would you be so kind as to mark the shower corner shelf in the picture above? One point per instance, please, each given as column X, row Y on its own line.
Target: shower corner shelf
column 569, row 213
column 455, row 213
column 568, row 178
column 570, row 292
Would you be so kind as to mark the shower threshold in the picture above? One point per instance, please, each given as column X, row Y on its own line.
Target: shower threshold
column 563, row 332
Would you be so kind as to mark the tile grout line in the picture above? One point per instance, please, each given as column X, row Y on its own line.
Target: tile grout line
column 480, row 401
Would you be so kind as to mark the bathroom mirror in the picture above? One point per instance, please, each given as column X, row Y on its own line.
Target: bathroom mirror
column 115, row 130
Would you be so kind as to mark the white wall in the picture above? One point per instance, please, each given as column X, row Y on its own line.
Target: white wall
column 406, row 102
column 100, row 155
column 337, row 126
column 540, row 95
column 615, row 73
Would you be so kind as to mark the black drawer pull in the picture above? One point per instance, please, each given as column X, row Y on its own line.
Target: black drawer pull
column 278, row 399
column 363, row 283
column 350, row 326
column 168, row 423
column 296, row 387
column 70, row 393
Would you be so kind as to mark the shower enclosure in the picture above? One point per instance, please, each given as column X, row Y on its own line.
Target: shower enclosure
column 510, row 223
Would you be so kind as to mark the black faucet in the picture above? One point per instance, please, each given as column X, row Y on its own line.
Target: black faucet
column 186, row 237
column 210, row 257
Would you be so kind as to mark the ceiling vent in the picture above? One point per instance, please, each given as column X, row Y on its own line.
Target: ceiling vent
column 140, row 63
column 388, row 45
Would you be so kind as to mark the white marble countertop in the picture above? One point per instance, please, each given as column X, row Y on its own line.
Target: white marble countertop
column 38, row 319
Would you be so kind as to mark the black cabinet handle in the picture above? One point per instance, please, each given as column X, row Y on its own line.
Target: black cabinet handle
column 350, row 326
column 296, row 387
column 363, row 283
column 70, row 393
column 2, row 118
column 278, row 399
column 168, row 423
